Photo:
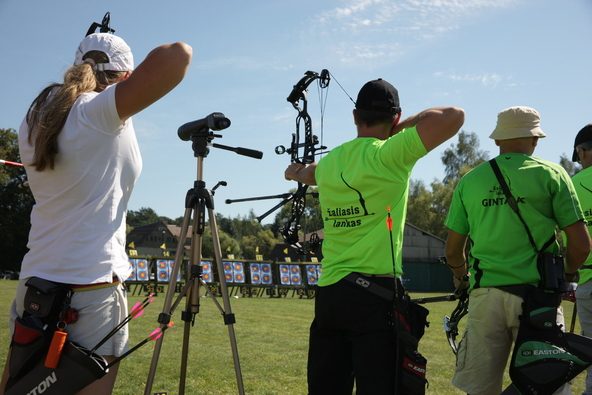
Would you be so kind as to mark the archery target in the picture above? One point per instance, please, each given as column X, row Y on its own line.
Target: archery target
column 234, row 272
column 162, row 270
column 285, row 274
column 295, row 275
column 206, row 271
column 266, row 278
column 142, row 270
column 312, row 274
column 133, row 273
column 228, row 271
column 255, row 270
column 239, row 272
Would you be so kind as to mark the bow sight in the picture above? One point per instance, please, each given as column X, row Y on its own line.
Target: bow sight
column 104, row 25
column 300, row 152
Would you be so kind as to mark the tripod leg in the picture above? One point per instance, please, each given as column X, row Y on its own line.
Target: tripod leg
column 165, row 316
column 192, row 297
column 228, row 315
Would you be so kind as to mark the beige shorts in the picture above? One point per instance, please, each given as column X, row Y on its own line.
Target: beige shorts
column 492, row 327
column 99, row 311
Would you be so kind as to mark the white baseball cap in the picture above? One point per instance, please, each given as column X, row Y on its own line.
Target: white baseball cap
column 119, row 53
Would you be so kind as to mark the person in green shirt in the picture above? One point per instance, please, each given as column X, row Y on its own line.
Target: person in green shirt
column 502, row 259
column 583, row 184
column 362, row 184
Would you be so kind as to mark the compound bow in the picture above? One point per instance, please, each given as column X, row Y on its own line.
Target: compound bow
column 303, row 149
column 302, row 152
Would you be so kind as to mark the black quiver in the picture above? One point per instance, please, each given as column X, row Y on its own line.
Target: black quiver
column 409, row 322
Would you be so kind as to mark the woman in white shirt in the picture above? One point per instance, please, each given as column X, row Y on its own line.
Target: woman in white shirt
column 81, row 155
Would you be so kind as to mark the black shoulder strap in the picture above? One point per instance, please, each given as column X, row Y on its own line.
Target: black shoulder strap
column 512, row 202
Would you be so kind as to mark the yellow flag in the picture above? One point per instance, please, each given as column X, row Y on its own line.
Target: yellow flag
column 132, row 245
column 257, row 250
column 286, row 250
column 163, row 246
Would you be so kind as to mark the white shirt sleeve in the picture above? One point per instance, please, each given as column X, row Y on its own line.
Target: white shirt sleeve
column 98, row 111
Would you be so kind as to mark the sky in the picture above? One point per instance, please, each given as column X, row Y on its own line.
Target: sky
column 480, row 55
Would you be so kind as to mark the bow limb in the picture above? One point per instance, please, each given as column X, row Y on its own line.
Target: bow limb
column 451, row 322
column 292, row 227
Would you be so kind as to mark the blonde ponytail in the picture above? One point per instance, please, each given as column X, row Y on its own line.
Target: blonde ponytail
column 48, row 113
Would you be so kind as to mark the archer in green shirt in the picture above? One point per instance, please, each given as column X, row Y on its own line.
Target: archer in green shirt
column 501, row 256
column 583, row 183
column 363, row 187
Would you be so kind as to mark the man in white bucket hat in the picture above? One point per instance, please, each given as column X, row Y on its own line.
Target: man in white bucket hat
column 502, row 262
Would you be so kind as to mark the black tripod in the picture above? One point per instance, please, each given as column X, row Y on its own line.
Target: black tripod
column 197, row 200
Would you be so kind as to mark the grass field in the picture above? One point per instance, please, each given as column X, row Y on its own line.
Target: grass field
column 272, row 338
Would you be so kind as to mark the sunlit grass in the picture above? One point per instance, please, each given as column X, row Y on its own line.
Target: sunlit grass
column 272, row 339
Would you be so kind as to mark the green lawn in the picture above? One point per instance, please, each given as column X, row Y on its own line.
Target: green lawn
column 272, row 338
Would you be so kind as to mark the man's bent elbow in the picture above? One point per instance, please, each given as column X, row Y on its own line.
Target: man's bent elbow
column 182, row 54
column 455, row 118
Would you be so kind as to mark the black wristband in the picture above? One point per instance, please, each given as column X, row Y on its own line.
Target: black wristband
column 572, row 277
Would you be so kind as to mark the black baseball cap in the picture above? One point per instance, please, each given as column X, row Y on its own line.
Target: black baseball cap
column 378, row 96
column 583, row 136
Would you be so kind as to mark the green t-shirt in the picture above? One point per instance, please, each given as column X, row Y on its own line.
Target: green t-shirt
column 501, row 253
column 357, row 182
column 583, row 183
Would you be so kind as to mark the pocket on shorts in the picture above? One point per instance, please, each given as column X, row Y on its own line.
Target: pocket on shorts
column 461, row 355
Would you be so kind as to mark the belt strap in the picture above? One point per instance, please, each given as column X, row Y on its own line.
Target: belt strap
column 93, row 287
column 361, row 281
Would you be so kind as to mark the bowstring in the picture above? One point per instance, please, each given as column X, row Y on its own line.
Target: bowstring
column 323, row 105
column 323, row 95
column 344, row 91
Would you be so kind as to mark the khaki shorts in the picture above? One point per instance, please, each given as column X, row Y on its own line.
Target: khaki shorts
column 99, row 311
column 485, row 348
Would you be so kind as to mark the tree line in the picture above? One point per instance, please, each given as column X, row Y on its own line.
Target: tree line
column 242, row 236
